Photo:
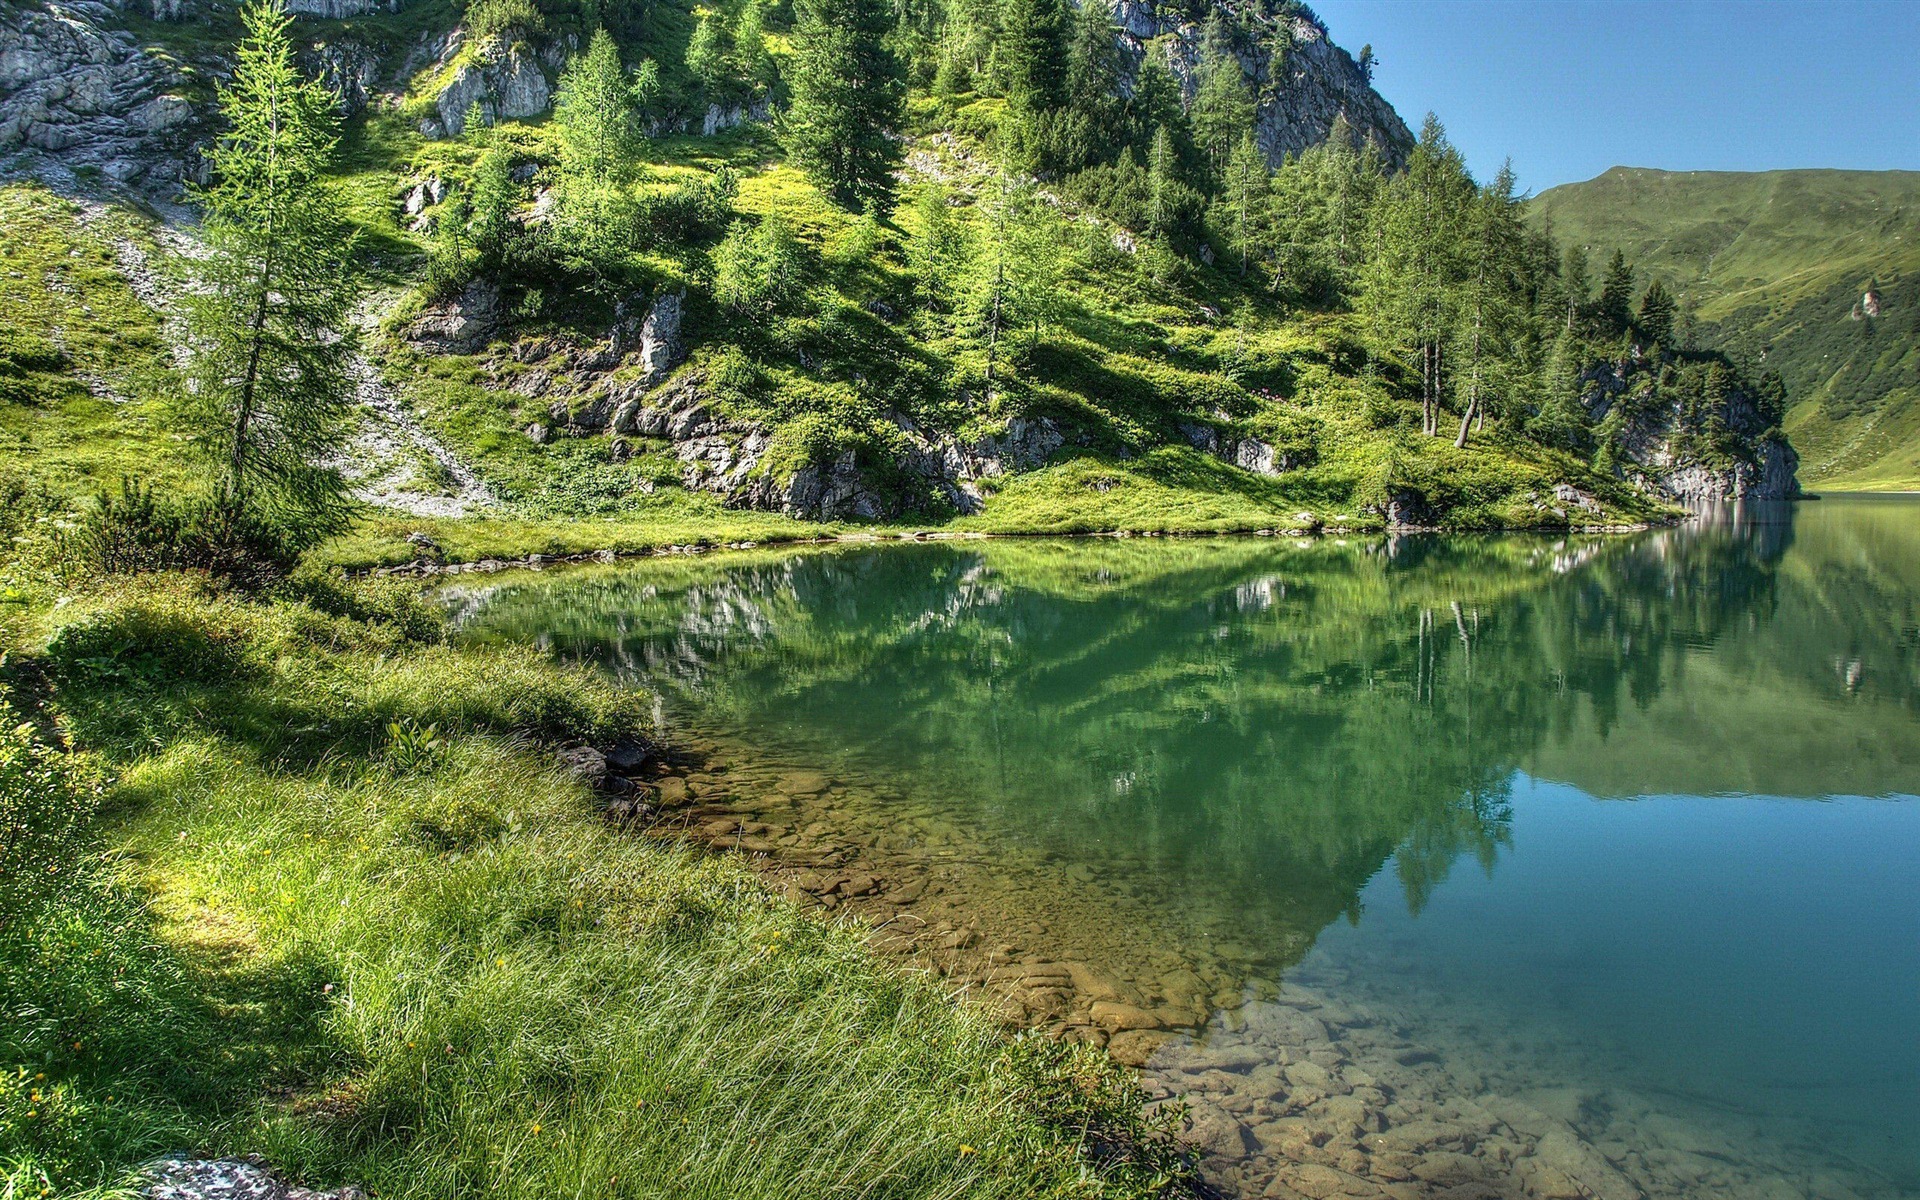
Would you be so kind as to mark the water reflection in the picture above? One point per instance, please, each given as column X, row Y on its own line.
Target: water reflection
column 1240, row 739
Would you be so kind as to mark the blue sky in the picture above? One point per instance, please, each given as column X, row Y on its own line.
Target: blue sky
column 1568, row 88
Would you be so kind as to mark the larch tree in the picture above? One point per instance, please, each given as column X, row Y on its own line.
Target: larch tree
column 1490, row 305
column 1576, row 281
column 707, row 59
column 1223, row 105
column 1412, row 285
column 846, row 100
column 272, row 387
column 595, row 111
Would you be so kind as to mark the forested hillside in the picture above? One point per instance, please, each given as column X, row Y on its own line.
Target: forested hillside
column 1814, row 274
column 1010, row 263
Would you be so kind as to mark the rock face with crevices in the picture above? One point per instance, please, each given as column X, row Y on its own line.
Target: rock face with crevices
column 79, row 93
column 1303, row 81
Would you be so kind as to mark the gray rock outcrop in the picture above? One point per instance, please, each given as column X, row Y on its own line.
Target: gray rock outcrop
column 1659, row 461
column 504, row 78
column 227, row 1179
column 1303, row 88
column 77, row 93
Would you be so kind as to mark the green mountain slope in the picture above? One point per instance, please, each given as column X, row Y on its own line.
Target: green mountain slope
column 1777, row 265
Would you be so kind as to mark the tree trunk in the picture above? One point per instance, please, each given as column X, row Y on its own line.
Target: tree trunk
column 993, row 325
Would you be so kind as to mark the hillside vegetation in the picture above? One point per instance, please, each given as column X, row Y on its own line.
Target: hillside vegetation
column 1776, row 266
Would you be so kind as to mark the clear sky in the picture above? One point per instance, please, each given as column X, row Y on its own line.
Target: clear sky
column 1568, row 88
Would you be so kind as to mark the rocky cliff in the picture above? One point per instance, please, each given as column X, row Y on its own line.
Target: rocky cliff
column 1728, row 451
column 1304, row 82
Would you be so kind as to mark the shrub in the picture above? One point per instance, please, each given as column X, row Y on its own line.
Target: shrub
column 136, row 532
column 491, row 18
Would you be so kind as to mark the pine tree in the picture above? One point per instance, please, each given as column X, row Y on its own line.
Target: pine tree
column 750, row 48
column 1222, row 106
column 1616, row 295
column 1411, row 291
column 1088, row 128
column 1163, row 171
column 1562, row 420
column 595, row 112
column 1246, row 195
column 1656, row 314
column 847, row 96
column 1575, row 282
column 493, row 195
column 1491, row 303
column 707, row 55
column 271, row 325
column 936, row 249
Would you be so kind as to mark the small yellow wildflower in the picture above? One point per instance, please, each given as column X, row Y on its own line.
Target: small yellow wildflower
column 536, row 1127
column 966, row 1150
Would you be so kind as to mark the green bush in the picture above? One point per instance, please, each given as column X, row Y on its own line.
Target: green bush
column 136, row 532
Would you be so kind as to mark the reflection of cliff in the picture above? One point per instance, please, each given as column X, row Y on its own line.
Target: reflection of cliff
column 1260, row 728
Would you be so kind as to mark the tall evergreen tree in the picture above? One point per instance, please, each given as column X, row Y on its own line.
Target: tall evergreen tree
column 707, row 55
column 847, row 95
column 1616, row 294
column 1575, row 281
column 1411, row 291
column 750, row 48
column 271, row 327
column 936, row 249
column 1222, row 105
column 1490, row 306
column 596, row 114
column 493, row 194
column 1031, row 55
column 1656, row 314
column 1246, row 198
column 1089, row 126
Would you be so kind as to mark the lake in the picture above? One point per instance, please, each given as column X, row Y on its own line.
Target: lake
column 1420, row 866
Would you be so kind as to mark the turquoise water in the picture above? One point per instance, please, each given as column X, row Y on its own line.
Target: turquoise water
column 1616, row 837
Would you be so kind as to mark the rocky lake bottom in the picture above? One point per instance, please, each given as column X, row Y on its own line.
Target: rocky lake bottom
column 1330, row 1083
column 1422, row 867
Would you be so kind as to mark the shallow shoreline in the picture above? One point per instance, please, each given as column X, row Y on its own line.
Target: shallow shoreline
column 1290, row 1089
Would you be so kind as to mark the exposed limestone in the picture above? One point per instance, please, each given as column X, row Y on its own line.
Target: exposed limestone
column 76, row 93
column 1315, row 82
column 227, row 1179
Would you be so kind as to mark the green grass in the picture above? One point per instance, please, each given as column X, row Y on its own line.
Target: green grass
column 1774, row 262
column 419, row 960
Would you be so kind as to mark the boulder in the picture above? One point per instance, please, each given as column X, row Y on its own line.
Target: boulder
column 584, row 763
column 462, row 325
column 660, row 342
column 183, row 1178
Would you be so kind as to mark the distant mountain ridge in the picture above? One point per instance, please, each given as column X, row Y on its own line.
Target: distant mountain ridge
column 1813, row 272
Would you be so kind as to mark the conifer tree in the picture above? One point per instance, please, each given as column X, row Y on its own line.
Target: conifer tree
column 1657, row 314
column 1163, row 168
column 1031, row 55
column 595, row 111
column 271, row 325
column 1616, row 294
column 492, row 191
column 1576, row 282
column 750, row 48
column 1490, row 304
column 1411, row 290
column 1222, row 107
column 846, row 104
column 936, row 249
column 707, row 54
column 1246, row 195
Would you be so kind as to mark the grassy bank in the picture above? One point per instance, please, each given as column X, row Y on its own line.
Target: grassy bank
column 337, row 905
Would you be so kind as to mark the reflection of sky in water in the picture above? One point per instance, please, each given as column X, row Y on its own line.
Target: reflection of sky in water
column 1754, row 954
